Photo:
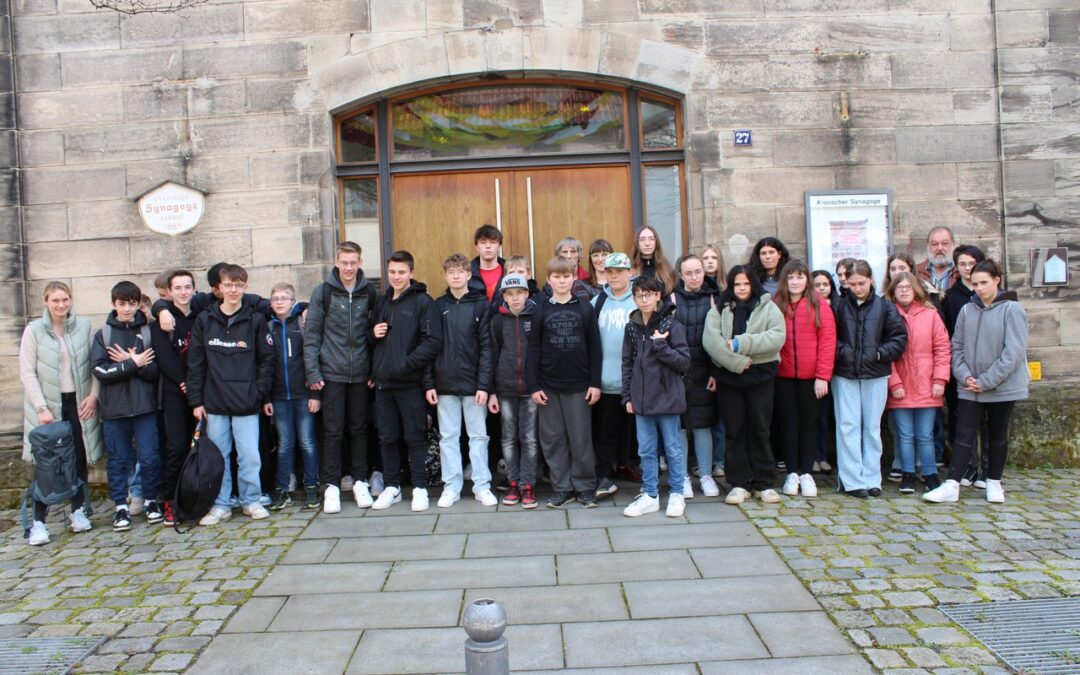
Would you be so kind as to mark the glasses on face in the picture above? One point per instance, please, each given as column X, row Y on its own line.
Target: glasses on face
column 903, row 288
column 644, row 297
column 966, row 265
column 281, row 298
column 231, row 285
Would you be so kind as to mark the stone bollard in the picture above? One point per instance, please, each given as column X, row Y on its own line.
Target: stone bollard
column 486, row 650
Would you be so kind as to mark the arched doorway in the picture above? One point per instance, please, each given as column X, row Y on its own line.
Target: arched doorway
column 541, row 159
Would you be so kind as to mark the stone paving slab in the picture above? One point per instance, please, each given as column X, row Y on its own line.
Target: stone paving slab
column 312, row 552
column 556, row 604
column 653, row 537
column 487, row 545
column 811, row 665
column 306, row 579
column 340, row 611
column 593, row 568
column 476, row 573
column 738, row 562
column 337, row 526
column 666, row 669
column 506, row 521
column 799, row 634
column 262, row 653
column 707, row 597
column 255, row 615
column 391, row 548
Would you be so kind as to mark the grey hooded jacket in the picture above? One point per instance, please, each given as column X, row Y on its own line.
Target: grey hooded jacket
column 990, row 344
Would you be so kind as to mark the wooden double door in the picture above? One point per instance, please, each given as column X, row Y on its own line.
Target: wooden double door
column 437, row 214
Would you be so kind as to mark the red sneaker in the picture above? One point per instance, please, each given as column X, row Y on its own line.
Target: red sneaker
column 528, row 499
column 170, row 519
column 512, row 495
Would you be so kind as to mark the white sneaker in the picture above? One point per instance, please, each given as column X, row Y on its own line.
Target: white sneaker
column 817, row 466
column 347, row 482
column 807, row 486
column 486, row 498
column 377, row 484
column 447, row 499
column 256, row 510
column 768, row 496
column 736, row 496
column 979, row 484
column 687, row 488
column 718, row 472
column 466, row 473
column 709, row 487
column 420, row 499
column 136, row 506
column 390, row 496
column 995, row 494
column 79, row 521
column 215, row 516
column 331, row 502
column 791, row 485
column 642, row 505
column 362, row 495
column 824, row 466
column 676, row 506
column 39, row 534
column 949, row 491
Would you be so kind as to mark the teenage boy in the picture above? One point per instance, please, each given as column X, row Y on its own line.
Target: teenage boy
column 463, row 381
column 171, row 353
column 407, row 339
column 613, row 427
column 123, row 362
column 519, row 264
column 510, row 328
column 292, row 405
column 487, row 267
column 230, row 371
column 338, row 363
column 563, row 378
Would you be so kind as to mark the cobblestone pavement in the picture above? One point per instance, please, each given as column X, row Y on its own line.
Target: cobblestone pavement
column 880, row 567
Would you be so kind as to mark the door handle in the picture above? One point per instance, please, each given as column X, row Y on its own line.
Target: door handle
column 498, row 209
column 532, row 241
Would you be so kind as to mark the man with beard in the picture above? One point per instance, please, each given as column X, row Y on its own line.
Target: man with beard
column 938, row 268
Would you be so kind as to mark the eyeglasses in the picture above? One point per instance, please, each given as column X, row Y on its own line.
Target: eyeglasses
column 642, row 297
column 281, row 298
column 966, row 265
column 231, row 286
column 903, row 287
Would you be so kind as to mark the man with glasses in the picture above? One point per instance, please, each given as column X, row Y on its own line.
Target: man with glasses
column 338, row 363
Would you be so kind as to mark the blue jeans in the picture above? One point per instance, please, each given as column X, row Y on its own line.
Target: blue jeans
column 915, row 432
column 719, row 443
column 703, row 448
column 519, row 446
column 294, row 423
column 118, row 435
column 650, row 429
column 243, row 432
column 135, row 479
column 451, row 409
column 859, row 404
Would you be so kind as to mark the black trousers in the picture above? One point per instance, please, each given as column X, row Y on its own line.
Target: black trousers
column 344, row 403
column 747, row 413
column 402, row 412
column 179, row 428
column 614, row 435
column 69, row 412
column 969, row 417
column 797, row 423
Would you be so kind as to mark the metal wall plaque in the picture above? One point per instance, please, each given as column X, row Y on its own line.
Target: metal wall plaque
column 1049, row 267
column 171, row 208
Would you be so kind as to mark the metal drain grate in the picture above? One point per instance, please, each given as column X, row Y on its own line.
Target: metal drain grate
column 1031, row 636
column 45, row 656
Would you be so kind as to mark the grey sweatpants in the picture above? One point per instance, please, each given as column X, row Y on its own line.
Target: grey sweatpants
column 566, row 441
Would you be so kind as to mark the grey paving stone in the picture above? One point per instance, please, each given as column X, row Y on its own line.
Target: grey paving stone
column 707, row 597
column 598, row 568
column 708, row 510
column 615, row 643
column 301, row 579
column 255, row 615
column 309, row 552
column 811, row 665
column 474, row 573
column 441, row 650
column 704, row 535
column 668, row 669
column 372, row 549
column 338, row 611
column 798, row 634
column 556, row 604
column 260, row 653
column 329, row 528
column 737, row 562
column 550, row 542
column 512, row 521
column 611, row 516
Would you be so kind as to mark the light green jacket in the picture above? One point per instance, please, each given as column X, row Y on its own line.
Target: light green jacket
column 761, row 343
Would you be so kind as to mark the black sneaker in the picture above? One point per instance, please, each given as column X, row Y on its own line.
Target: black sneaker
column 560, row 499
column 281, row 499
column 311, row 498
column 932, row 482
column 587, row 499
column 503, row 485
column 781, row 466
column 874, row 492
column 153, row 513
column 895, row 475
column 606, row 488
column 121, row 522
column 907, row 484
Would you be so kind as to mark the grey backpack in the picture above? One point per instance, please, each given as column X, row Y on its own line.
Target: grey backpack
column 56, row 479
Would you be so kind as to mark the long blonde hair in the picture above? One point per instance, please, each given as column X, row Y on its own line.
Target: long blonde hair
column 664, row 271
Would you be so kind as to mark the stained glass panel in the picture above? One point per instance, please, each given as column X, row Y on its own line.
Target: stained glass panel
column 358, row 138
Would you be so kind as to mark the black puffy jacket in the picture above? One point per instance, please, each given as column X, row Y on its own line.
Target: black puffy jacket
column 653, row 371
column 126, row 391
column 691, row 307
column 230, row 362
column 463, row 366
column 403, row 357
column 869, row 337
column 336, row 347
column 510, row 344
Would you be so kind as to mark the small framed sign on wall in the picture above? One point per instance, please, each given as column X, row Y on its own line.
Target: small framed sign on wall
column 849, row 224
column 1049, row 267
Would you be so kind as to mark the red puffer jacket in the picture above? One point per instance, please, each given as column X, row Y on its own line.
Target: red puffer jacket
column 809, row 351
column 925, row 361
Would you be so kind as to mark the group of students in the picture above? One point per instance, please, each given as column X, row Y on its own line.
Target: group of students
column 632, row 352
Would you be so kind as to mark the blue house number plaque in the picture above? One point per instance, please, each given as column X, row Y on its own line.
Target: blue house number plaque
column 743, row 137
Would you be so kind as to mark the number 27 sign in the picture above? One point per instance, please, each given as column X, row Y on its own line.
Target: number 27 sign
column 743, row 137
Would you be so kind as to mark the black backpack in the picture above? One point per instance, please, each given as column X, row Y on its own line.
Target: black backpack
column 56, row 479
column 199, row 481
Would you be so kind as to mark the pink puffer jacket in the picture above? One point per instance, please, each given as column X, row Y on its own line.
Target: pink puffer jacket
column 926, row 360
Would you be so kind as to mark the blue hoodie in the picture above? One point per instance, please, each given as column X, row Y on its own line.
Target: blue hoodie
column 613, row 315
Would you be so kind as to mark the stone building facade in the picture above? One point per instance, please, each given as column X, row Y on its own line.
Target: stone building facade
column 968, row 110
